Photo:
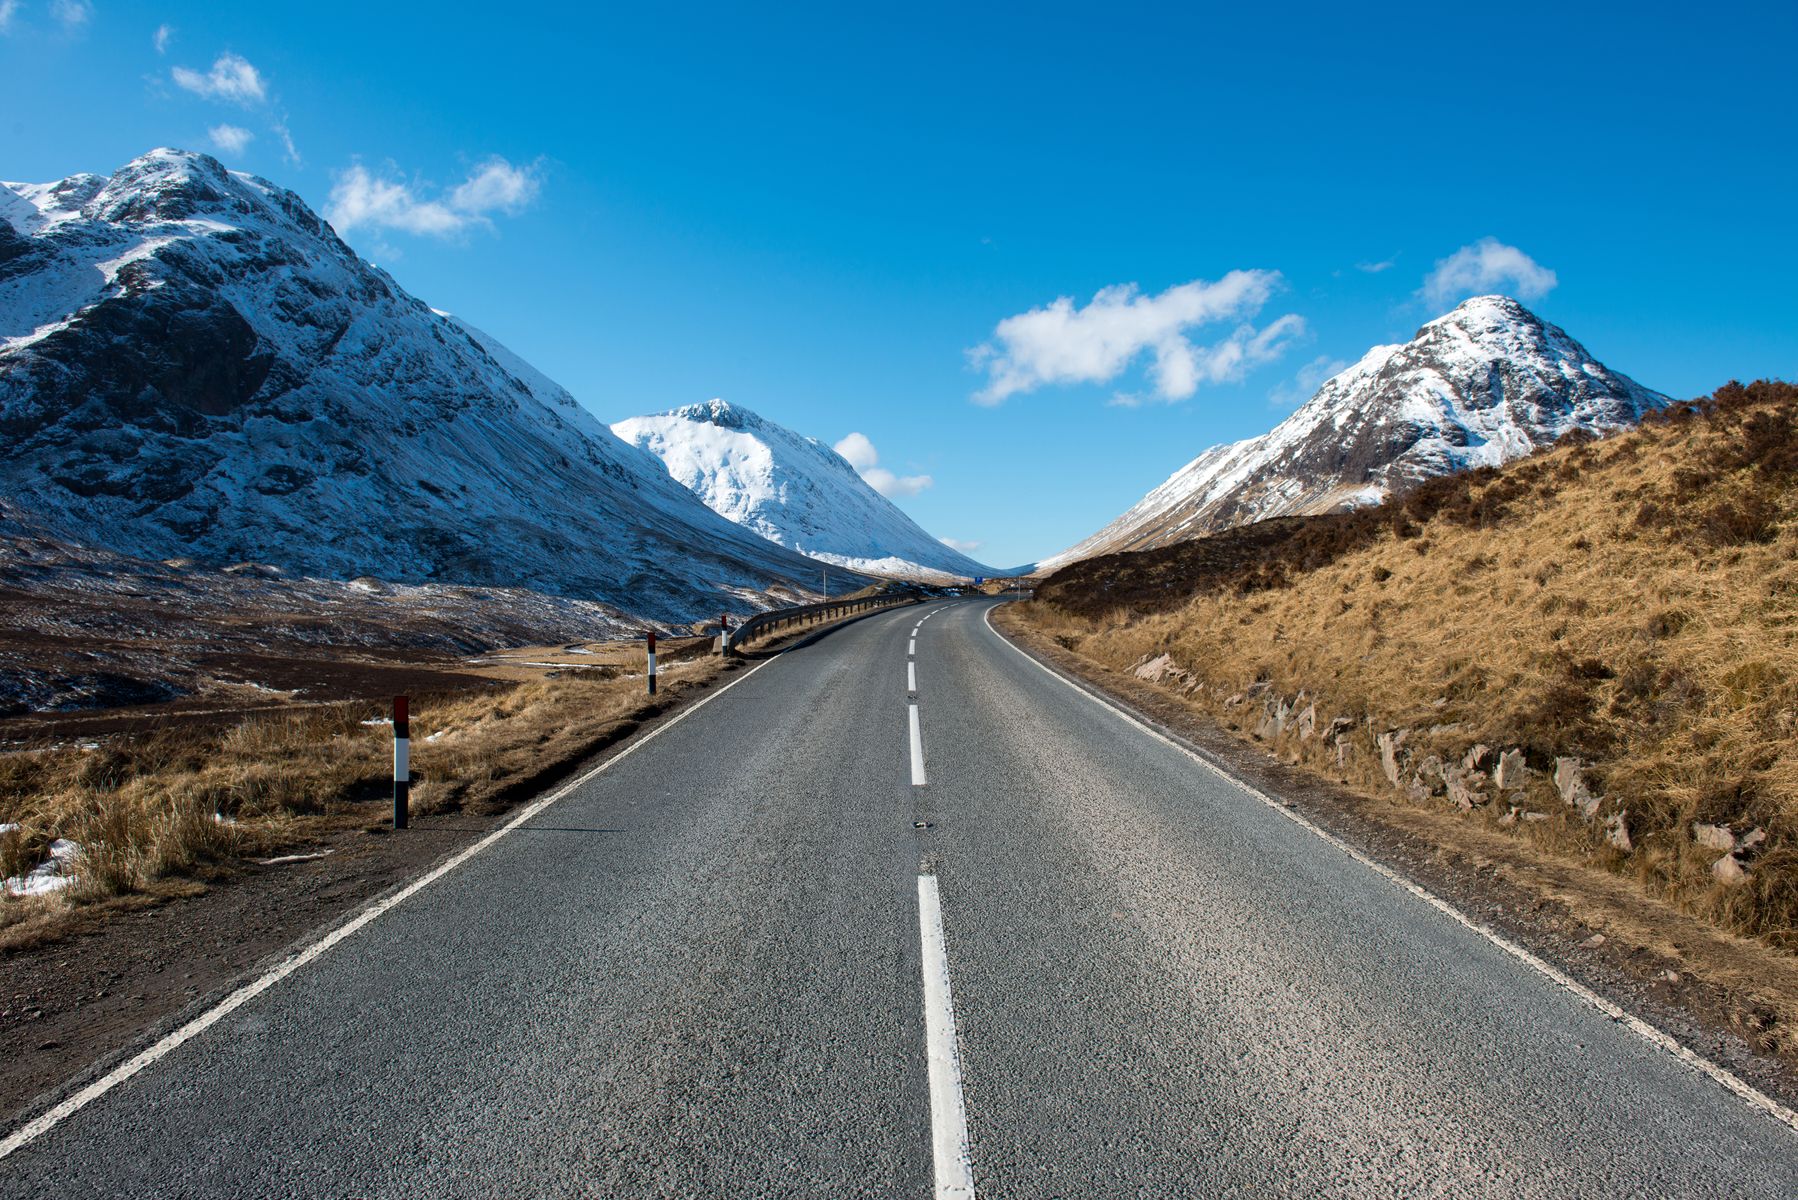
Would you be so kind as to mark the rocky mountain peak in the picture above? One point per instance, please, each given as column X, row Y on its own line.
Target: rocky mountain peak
column 1483, row 384
column 193, row 365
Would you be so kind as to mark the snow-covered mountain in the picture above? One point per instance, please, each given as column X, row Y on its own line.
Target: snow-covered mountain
column 193, row 365
column 791, row 489
column 1487, row 383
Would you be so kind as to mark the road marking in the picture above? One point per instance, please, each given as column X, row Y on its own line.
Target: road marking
column 911, row 647
column 1744, row 1090
column 911, row 677
column 35, row 1129
column 948, row 1116
column 917, row 747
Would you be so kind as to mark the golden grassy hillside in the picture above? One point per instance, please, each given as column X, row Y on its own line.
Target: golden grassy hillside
column 165, row 807
column 1632, row 603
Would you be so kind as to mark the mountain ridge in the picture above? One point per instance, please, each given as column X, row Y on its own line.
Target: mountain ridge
column 1484, row 384
column 193, row 364
column 791, row 489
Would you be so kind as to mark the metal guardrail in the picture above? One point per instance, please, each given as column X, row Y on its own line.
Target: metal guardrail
column 780, row 618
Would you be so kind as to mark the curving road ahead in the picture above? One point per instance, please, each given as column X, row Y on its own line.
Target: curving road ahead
column 901, row 913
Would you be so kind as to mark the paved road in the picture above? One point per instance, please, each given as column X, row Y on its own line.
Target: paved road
column 713, row 970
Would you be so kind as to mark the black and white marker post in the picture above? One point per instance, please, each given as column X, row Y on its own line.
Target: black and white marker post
column 652, row 661
column 402, row 764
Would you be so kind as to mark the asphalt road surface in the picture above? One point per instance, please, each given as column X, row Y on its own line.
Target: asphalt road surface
column 900, row 913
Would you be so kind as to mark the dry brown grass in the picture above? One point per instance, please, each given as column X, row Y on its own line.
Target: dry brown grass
column 1631, row 602
column 182, row 803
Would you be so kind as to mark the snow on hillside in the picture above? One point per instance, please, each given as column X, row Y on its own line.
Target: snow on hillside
column 1482, row 385
column 192, row 364
column 791, row 489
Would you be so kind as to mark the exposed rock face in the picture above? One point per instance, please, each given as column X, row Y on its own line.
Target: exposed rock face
column 1485, row 384
column 193, row 365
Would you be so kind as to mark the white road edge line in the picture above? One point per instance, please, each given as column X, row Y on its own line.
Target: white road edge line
column 917, row 746
column 32, row 1130
column 1744, row 1090
column 948, row 1116
column 911, row 677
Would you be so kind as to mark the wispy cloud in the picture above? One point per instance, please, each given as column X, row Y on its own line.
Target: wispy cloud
column 361, row 198
column 8, row 10
column 963, row 547
column 72, row 14
column 860, row 453
column 1488, row 265
column 162, row 37
column 1374, row 268
column 288, row 150
column 230, row 138
column 232, row 78
column 1060, row 343
column 1305, row 383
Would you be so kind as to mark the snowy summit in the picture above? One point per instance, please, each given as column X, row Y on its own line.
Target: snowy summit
column 193, row 364
column 793, row 490
column 1482, row 385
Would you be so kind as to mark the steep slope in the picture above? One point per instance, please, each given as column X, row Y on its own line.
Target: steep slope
column 791, row 489
column 192, row 364
column 1488, row 383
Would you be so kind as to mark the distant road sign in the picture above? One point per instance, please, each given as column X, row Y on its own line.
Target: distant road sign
column 978, row 581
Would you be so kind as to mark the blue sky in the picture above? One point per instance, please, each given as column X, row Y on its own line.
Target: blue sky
column 820, row 212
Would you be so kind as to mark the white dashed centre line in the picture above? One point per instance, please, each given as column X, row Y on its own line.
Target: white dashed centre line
column 948, row 1117
column 911, row 647
column 917, row 747
column 911, row 677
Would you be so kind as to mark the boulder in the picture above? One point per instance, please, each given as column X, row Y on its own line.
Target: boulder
column 1511, row 771
column 1391, row 744
column 1616, row 831
column 1307, row 722
column 1462, row 789
column 1273, row 718
column 1154, row 670
column 1477, row 758
column 1713, row 837
column 1570, row 781
column 1344, row 747
column 1729, row 870
column 1751, row 841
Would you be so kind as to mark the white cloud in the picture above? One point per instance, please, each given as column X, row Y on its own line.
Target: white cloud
column 860, row 454
column 496, row 185
column 288, row 150
column 1304, row 385
column 361, row 198
column 162, row 37
column 72, row 14
column 8, row 10
column 232, row 78
column 1486, row 266
column 1374, row 268
column 230, row 138
column 1060, row 343
column 958, row 544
